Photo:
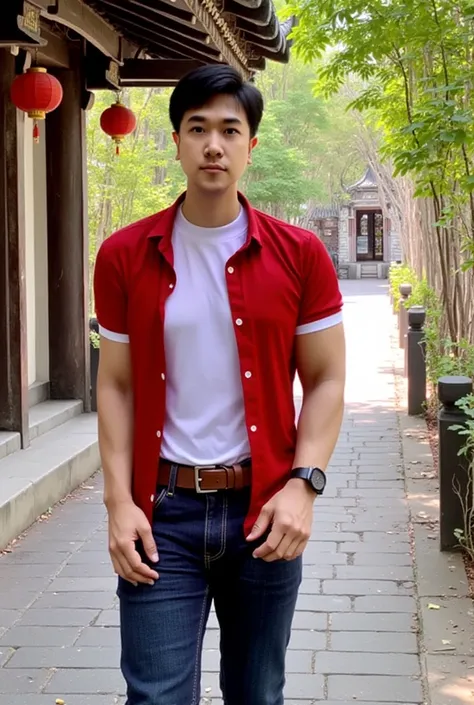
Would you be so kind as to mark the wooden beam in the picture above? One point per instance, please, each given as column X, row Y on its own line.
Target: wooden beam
column 14, row 353
column 80, row 17
column 151, row 20
column 56, row 51
column 155, row 72
column 68, row 260
column 163, row 36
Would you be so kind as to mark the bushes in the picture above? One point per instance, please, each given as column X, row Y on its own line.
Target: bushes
column 444, row 356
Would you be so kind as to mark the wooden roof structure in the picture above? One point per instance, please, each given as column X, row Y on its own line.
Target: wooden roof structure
column 148, row 42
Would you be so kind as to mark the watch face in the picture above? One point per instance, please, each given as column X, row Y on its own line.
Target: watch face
column 318, row 480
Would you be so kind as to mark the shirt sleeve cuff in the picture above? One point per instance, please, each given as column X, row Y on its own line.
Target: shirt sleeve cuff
column 115, row 337
column 322, row 324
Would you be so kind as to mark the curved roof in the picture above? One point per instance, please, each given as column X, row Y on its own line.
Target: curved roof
column 241, row 32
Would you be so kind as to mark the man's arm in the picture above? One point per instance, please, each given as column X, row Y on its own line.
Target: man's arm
column 127, row 522
column 321, row 365
column 320, row 359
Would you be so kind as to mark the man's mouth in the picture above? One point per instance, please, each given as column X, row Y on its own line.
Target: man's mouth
column 213, row 167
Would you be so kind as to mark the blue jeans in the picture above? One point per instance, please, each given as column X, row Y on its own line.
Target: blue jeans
column 204, row 557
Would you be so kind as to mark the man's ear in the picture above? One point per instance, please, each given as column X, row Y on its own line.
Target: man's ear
column 176, row 141
column 252, row 145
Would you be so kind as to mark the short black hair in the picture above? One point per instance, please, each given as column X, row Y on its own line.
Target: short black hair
column 199, row 86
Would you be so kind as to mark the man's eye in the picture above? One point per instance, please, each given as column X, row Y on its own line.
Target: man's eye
column 231, row 131
column 197, row 129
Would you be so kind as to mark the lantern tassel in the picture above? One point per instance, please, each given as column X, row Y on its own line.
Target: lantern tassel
column 117, row 150
column 36, row 132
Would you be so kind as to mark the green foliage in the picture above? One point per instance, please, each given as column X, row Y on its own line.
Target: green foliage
column 443, row 355
column 465, row 535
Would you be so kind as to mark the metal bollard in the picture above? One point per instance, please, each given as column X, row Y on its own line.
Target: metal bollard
column 405, row 292
column 453, row 468
column 415, row 363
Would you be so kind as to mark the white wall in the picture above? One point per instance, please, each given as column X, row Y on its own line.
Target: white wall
column 36, row 252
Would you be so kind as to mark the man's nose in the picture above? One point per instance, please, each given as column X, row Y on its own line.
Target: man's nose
column 214, row 146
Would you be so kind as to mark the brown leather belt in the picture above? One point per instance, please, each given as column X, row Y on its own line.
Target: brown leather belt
column 207, row 478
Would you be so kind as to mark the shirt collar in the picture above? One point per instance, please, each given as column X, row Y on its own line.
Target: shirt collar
column 162, row 229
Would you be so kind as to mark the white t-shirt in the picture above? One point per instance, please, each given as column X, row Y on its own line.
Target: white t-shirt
column 205, row 420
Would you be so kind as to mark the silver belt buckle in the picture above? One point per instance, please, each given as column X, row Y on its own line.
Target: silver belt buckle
column 198, row 478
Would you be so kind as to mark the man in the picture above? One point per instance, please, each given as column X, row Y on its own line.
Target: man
column 205, row 310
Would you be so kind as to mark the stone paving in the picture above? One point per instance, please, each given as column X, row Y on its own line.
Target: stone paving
column 355, row 636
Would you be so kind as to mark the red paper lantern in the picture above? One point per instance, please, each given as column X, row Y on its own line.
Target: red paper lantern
column 36, row 92
column 118, row 121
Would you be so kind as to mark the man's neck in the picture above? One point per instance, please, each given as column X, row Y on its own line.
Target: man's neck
column 210, row 210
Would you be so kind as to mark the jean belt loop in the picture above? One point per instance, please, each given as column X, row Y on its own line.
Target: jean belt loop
column 172, row 480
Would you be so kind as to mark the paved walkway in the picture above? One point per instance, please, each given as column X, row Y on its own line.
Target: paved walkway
column 355, row 631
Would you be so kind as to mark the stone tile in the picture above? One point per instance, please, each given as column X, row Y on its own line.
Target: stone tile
column 453, row 622
column 87, row 600
column 376, row 559
column 17, row 599
column 360, row 587
column 84, row 584
column 377, row 642
column 108, row 618
column 396, row 664
column 316, row 558
column 307, row 639
column 437, row 573
column 397, row 689
column 21, row 556
column 89, row 558
column 310, row 620
column 317, row 572
column 87, row 570
column 27, row 680
column 35, row 699
column 58, row 617
column 384, row 572
column 6, row 652
column 40, row 636
column 323, row 603
column 99, row 636
column 65, row 657
column 451, row 679
column 373, row 546
column 371, row 621
column 380, row 603
column 75, row 680
column 8, row 617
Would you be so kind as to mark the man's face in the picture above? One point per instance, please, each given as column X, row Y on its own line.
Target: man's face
column 214, row 144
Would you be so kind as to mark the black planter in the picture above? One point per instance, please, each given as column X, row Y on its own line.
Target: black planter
column 94, row 353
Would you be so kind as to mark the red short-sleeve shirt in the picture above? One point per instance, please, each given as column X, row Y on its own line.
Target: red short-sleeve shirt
column 280, row 283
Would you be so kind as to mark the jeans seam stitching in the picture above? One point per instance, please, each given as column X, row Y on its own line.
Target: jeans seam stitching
column 206, row 554
column 199, row 642
column 221, row 552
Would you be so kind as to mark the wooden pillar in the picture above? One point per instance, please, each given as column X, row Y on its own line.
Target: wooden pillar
column 68, row 257
column 13, row 350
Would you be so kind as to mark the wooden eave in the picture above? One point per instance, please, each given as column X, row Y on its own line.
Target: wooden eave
column 122, row 37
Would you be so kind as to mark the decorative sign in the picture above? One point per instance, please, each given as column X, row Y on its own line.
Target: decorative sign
column 30, row 19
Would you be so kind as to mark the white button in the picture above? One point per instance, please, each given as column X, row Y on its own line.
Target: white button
column 162, row 375
column 171, row 286
column 239, row 321
column 248, row 374
column 152, row 498
column 230, row 270
column 158, row 434
column 253, row 428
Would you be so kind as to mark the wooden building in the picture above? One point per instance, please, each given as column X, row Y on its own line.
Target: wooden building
column 359, row 232
column 47, row 445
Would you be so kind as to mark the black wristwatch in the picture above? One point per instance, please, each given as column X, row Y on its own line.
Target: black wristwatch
column 314, row 476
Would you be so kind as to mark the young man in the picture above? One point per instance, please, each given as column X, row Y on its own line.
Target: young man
column 205, row 310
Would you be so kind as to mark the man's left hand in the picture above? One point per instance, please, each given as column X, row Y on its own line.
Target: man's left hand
column 290, row 514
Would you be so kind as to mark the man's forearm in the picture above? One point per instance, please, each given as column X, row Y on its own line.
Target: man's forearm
column 319, row 424
column 115, row 407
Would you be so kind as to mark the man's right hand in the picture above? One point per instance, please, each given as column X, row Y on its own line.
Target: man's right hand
column 127, row 524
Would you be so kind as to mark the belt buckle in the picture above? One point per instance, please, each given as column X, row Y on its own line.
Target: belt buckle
column 198, row 478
